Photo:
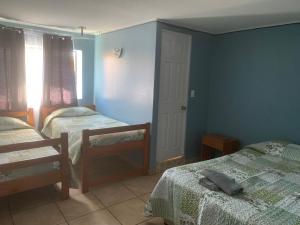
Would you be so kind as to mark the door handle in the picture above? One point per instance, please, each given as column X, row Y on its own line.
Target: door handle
column 183, row 108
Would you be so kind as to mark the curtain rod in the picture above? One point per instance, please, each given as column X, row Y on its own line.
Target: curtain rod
column 19, row 30
column 74, row 37
column 51, row 31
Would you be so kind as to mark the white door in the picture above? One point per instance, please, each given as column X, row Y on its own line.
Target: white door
column 173, row 93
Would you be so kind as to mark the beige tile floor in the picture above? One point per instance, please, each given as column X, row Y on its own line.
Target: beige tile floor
column 119, row 203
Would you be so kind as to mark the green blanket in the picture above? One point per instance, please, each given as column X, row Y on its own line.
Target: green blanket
column 271, row 184
column 74, row 120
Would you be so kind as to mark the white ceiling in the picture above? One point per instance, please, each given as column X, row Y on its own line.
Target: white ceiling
column 213, row 16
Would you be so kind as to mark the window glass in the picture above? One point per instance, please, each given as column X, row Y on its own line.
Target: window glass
column 78, row 71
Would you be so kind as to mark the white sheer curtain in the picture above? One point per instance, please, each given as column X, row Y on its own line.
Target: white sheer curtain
column 34, row 70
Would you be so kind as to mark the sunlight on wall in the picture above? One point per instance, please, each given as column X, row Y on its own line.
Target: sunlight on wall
column 110, row 63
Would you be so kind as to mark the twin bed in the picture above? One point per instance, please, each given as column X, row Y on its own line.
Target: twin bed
column 72, row 136
column 93, row 135
column 269, row 173
column 28, row 161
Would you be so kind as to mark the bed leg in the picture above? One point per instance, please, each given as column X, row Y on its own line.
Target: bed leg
column 65, row 170
column 84, row 178
column 85, row 162
column 65, row 188
column 146, row 148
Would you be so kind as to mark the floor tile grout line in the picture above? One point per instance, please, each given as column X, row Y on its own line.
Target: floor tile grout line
column 117, row 203
column 10, row 212
column 135, row 196
column 144, row 221
column 93, row 194
column 143, row 199
column 20, row 210
column 87, row 213
column 99, row 209
column 56, row 204
column 110, row 212
column 90, row 212
column 104, row 207
column 133, row 191
column 25, row 210
column 61, row 212
column 118, row 219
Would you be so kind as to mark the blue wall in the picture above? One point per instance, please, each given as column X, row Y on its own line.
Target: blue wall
column 87, row 45
column 254, row 84
column 246, row 82
column 124, row 86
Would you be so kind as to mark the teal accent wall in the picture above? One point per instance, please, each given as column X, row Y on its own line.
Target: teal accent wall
column 254, row 84
column 87, row 45
column 124, row 86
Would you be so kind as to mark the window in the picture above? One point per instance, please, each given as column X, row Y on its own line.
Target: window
column 78, row 71
column 34, row 68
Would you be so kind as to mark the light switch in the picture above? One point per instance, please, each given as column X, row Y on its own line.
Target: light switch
column 193, row 93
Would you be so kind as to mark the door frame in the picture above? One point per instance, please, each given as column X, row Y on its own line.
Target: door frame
column 157, row 86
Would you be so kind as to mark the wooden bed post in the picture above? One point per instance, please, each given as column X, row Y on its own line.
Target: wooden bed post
column 85, row 162
column 30, row 117
column 65, row 170
column 146, row 148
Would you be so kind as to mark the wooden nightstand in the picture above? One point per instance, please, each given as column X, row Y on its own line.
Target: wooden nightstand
column 214, row 142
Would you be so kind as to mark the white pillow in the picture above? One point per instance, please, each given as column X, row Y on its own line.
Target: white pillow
column 270, row 147
column 10, row 123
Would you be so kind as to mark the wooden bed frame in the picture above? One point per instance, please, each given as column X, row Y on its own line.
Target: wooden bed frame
column 39, row 180
column 89, row 152
column 27, row 116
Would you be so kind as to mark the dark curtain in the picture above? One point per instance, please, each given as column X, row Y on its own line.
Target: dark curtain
column 59, row 72
column 12, row 70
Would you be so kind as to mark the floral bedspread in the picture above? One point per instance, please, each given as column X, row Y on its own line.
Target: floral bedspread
column 269, row 173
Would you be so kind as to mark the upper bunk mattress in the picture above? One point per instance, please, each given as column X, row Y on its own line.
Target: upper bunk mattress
column 269, row 173
column 75, row 119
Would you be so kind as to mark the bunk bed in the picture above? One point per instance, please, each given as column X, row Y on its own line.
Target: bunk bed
column 27, row 161
column 92, row 135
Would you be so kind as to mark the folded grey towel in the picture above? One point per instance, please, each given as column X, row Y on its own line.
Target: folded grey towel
column 225, row 183
column 208, row 184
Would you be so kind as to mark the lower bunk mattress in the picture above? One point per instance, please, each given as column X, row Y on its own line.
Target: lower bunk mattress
column 24, row 135
column 74, row 120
